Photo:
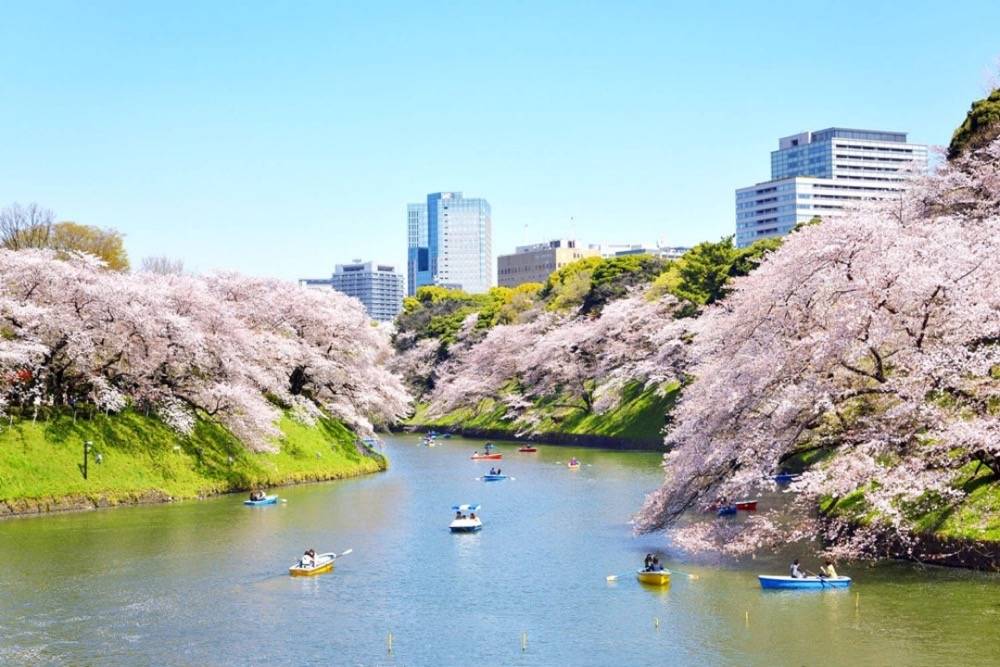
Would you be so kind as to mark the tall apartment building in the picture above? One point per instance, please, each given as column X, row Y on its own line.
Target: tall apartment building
column 822, row 173
column 449, row 243
column 534, row 263
column 377, row 286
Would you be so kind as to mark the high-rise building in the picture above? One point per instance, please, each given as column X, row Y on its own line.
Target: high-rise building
column 449, row 243
column 534, row 263
column 377, row 286
column 822, row 173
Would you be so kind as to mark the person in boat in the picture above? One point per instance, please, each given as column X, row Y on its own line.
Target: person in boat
column 472, row 515
column 309, row 558
column 656, row 567
column 458, row 514
column 647, row 565
column 827, row 570
column 794, row 572
column 257, row 495
column 493, row 470
column 499, row 471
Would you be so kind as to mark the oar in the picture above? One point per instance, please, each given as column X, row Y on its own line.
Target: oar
column 686, row 574
column 818, row 576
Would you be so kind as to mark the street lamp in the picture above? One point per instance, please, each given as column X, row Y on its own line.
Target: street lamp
column 87, row 444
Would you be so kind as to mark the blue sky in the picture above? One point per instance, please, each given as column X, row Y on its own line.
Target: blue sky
column 282, row 138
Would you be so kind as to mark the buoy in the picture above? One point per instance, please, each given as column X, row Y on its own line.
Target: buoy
column 388, row 643
column 656, row 622
column 748, row 618
column 524, row 642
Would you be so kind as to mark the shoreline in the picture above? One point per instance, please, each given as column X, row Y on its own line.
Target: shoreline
column 546, row 438
column 38, row 507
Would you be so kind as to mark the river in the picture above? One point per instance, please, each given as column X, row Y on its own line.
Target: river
column 205, row 582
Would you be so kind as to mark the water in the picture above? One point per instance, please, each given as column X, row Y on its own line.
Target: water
column 205, row 583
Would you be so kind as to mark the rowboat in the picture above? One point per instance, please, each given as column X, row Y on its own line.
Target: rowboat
column 494, row 478
column 726, row 510
column 324, row 563
column 785, row 478
column 661, row 578
column 746, row 505
column 491, row 457
column 527, row 450
column 573, row 464
column 467, row 524
column 805, row 583
column 267, row 500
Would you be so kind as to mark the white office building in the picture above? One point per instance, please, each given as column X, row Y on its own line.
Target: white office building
column 823, row 173
column 377, row 286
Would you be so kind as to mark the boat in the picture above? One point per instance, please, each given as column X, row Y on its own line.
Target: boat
column 467, row 524
column 491, row 457
column 267, row 500
column 324, row 563
column 785, row 478
column 573, row 464
column 661, row 578
column 527, row 449
column 804, row 583
column 746, row 505
column 494, row 477
column 726, row 510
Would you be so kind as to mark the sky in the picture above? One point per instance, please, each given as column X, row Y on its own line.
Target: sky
column 279, row 139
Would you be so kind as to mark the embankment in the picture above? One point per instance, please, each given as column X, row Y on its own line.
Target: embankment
column 138, row 459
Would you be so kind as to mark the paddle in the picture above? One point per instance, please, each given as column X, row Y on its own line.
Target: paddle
column 818, row 576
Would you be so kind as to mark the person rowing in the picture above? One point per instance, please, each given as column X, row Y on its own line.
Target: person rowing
column 309, row 558
column 828, row 570
column 794, row 572
column 647, row 565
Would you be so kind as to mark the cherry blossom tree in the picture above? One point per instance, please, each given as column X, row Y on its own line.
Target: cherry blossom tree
column 229, row 347
column 870, row 343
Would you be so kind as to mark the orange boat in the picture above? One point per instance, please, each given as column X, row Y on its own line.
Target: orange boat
column 527, row 449
column 492, row 457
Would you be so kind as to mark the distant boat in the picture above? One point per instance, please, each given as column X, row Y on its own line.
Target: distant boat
column 467, row 524
column 494, row 478
column 527, row 449
column 324, row 563
column 808, row 583
column 492, row 457
column 746, row 505
column 726, row 510
column 573, row 464
column 266, row 500
column 661, row 578
column 785, row 478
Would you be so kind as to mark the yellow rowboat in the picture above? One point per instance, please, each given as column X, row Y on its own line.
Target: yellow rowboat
column 324, row 564
column 653, row 578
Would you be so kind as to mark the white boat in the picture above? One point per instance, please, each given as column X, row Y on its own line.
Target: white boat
column 468, row 523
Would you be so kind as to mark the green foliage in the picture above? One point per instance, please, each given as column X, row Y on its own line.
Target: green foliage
column 980, row 127
column 504, row 305
column 703, row 274
column 438, row 312
column 142, row 455
column 613, row 276
column 567, row 287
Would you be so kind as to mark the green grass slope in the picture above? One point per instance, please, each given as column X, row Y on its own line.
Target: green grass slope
column 141, row 457
column 639, row 417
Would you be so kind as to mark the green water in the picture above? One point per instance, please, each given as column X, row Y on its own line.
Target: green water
column 205, row 583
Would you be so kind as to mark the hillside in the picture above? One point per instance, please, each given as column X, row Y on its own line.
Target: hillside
column 143, row 460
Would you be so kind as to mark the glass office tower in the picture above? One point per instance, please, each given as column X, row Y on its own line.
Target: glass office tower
column 450, row 243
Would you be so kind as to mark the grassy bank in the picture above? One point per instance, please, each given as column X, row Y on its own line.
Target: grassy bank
column 638, row 418
column 142, row 458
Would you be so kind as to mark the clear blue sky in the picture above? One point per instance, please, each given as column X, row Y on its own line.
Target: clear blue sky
column 281, row 138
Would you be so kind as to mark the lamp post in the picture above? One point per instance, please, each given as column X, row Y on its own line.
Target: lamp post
column 87, row 444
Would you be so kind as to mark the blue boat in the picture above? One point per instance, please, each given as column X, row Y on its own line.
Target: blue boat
column 785, row 478
column 494, row 478
column 268, row 500
column 804, row 583
column 726, row 510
